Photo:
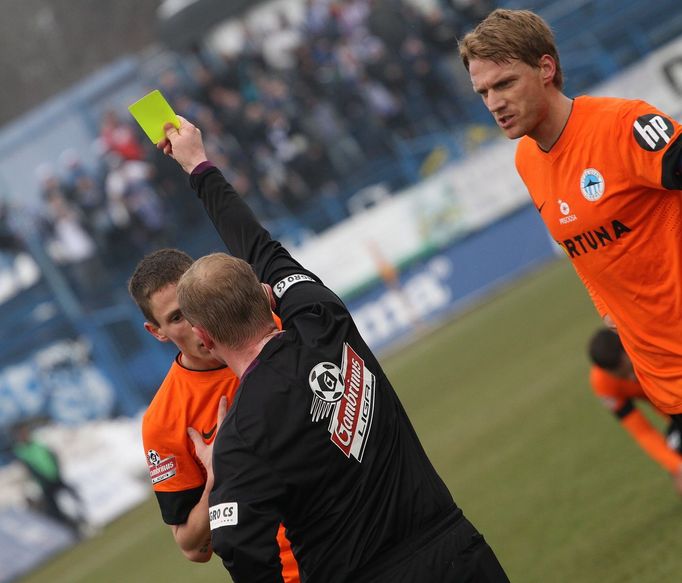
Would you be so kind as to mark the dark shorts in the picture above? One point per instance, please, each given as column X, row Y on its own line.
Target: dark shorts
column 458, row 555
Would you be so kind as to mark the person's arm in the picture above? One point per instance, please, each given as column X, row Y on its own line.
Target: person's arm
column 239, row 229
column 672, row 165
column 237, row 226
column 650, row 144
column 193, row 537
column 183, row 495
column 646, row 435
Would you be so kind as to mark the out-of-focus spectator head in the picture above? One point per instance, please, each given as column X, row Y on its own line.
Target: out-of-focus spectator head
column 254, row 111
column 224, row 98
column 202, row 75
column 48, row 179
column 70, row 159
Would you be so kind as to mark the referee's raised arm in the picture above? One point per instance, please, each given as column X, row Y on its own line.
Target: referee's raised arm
column 234, row 221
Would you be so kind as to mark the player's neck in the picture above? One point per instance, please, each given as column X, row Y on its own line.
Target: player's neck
column 198, row 364
column 239, row 360
column 550, row 129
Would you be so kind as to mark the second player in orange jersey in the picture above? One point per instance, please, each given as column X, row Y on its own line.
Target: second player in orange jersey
column 190, row 396
column 614, row 382
column 605, row 175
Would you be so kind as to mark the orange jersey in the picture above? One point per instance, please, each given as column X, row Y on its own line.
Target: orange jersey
column 618, row 395
column 608, row 193
column 189, row 398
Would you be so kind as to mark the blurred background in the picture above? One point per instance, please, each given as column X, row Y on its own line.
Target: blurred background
column 351, row 129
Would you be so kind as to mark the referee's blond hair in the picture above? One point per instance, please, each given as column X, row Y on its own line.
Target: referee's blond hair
column 222, row 294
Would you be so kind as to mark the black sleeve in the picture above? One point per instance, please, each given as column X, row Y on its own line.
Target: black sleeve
column 246, row 238
column 176, row 506
column 241, row 232
column 672, row 166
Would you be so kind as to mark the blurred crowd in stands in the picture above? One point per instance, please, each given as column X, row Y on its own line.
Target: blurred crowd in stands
column 293, row 118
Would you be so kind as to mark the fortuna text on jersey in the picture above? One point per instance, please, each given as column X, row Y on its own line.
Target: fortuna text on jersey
column 594, row 239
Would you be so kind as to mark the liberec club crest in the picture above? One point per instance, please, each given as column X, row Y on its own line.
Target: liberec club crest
column 346, row 395
column 592, row 184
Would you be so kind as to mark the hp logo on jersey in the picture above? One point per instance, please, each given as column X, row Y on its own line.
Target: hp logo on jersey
column 592, row 184
column 652, row 132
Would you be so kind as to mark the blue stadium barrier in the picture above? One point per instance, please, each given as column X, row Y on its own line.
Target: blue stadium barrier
column 453, row 278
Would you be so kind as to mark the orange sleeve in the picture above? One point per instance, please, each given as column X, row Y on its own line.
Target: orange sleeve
column 651, row 440
column 649, row 134
column 184, row 473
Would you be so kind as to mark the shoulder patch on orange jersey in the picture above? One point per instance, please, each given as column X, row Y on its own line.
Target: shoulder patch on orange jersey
column 160, row 469
column 652, row 131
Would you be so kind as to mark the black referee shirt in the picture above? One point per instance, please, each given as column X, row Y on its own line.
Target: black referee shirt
column 316, row 437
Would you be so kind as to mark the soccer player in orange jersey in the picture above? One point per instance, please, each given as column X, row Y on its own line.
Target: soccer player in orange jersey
column 605, row 175
column 195, row 394
column 614, row 382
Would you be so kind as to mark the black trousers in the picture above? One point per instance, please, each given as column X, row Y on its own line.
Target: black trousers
column 458, row 555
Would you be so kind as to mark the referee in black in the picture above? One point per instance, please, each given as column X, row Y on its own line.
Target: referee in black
column 316, row 438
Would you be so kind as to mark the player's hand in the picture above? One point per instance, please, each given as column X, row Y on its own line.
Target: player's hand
column 677, row 480
column 609, row 323
column 184, row 144
column 204, row 450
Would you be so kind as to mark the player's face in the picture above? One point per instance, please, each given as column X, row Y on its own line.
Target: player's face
column 173, row 327
column 514, row 92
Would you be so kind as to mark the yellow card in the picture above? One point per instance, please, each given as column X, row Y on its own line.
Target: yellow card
column 152, row 112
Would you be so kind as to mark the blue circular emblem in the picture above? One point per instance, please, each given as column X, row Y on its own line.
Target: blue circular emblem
column 592, row 184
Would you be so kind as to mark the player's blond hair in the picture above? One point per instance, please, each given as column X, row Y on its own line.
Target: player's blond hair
column 506, row 35
column 223, row 295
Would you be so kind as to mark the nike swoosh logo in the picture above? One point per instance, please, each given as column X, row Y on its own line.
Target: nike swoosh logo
column 209, row 434
column 540, row 207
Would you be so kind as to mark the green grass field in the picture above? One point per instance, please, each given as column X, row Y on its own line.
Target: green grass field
column 500, row 400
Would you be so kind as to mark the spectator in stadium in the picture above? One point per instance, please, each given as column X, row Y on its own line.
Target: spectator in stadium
column 72, row 247
column 614, row 382
column 43, row 466
column 120, row 137
column 316, row 438
column 605, row 175
column 135, row 207
column 195, row 388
